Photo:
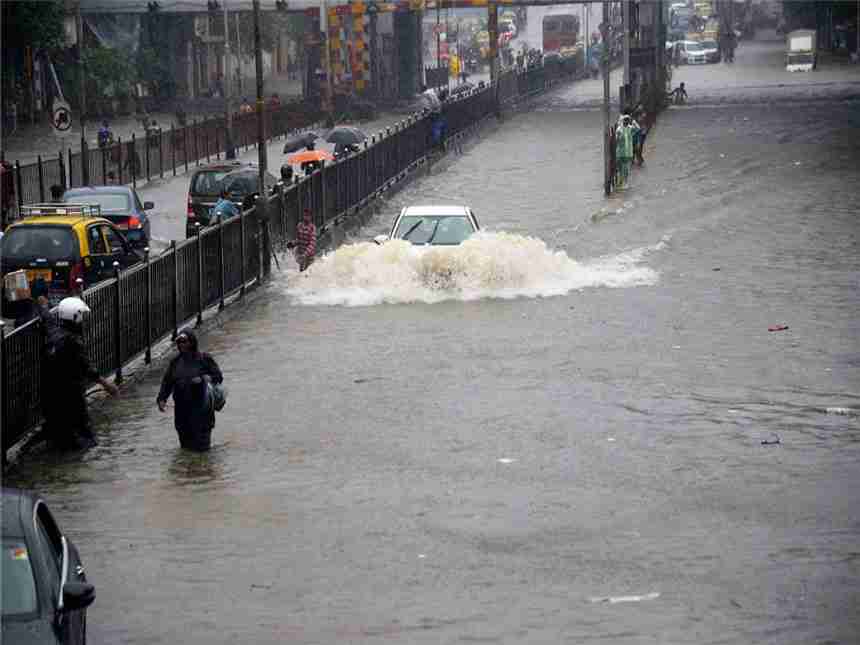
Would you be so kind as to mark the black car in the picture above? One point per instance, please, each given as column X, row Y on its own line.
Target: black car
column 120, row 205
column 45, row 592
column 205, row 187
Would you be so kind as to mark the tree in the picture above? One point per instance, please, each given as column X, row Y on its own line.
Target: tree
column 33, row 24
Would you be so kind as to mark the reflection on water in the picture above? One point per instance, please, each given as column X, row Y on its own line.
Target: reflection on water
column 188, row 468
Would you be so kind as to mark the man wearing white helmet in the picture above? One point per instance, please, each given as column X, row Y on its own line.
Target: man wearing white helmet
column 66, row 376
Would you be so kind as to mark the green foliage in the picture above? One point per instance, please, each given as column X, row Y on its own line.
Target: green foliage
column 153, row 70
column 110, row 72
column 34, row 24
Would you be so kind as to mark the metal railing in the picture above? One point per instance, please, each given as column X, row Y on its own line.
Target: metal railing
column 145, row 304
column 155, row 154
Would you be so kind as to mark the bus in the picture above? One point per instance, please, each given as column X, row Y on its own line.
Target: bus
column 560, row 31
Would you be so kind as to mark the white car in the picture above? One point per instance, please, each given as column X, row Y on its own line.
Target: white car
column 690, row 52
column 432, row 226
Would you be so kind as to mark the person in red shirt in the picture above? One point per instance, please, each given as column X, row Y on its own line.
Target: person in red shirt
column 306, row 247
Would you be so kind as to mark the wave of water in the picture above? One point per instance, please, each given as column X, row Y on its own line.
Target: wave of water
column 488, row 265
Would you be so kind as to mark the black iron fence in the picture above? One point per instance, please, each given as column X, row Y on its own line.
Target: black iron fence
column 145, row 304
column 155, row 154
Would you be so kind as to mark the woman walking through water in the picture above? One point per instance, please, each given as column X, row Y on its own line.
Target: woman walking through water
column 187, row 378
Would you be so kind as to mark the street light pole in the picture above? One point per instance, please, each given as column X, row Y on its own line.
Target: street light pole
column 230, row 151
column 261, row 140
column 604, row 31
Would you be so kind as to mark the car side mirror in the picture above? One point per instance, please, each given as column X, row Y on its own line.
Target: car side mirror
column 78, row 595
column 148, row 206
column 380, row 239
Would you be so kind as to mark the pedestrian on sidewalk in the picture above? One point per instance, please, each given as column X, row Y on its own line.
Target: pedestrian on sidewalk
column 306, row 242
column 188, row 379
column 66, row 375
column 57, row 193
column 624, row 150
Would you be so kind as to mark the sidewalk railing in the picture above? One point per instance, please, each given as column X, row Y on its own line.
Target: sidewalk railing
column 145, row 304
column 155, row 154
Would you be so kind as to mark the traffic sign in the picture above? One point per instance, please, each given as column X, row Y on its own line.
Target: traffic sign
column 61, row 118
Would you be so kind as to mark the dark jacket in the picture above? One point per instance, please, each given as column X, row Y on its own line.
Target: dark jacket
column 66, row 374
column 194, row 416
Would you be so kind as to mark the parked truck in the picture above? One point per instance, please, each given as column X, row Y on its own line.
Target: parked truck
column 800, row 50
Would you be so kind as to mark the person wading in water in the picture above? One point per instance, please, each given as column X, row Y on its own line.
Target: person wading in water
column 187, row 378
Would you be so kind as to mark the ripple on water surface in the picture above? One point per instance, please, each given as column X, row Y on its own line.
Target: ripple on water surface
column 488, row 265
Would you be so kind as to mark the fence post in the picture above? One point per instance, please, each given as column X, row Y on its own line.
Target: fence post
column 175, row 291
column 18, row 186
column 104, row 163
column 221, row 261
column 119, row 148
column 173, row 147
column 85, row 162
column 147, row 145
column 160, row 154
column 199, row 275
column 206, row 139
column 185, row 145
column 132, row 160
column 41, row 179
column 62, row 169
column 118, row 325
column 242, row 252
column 196, row 148
column 323, row 192
column 148, row 357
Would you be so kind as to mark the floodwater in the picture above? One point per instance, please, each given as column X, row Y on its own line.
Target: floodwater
column 586, row 434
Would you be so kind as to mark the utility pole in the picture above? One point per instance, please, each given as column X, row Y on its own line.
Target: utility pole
column 373, row 11
column 82, row 92
column 625, row 24
column 329, row 93
column 261, row 138
column 230, row 151
column 604, row 31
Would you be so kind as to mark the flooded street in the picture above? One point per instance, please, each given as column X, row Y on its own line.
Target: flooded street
column 584, row 433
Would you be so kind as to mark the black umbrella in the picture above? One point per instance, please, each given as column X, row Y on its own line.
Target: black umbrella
column 345, row 135
column 299, row 141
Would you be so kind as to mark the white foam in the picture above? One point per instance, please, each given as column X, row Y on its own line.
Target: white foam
column 488, row 265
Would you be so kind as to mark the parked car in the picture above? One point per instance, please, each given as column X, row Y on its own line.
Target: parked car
column 61, row 244
column 712, row 51
column 432, row 225
column 119, row 204
column 689, row 52
column 45, row 590
column 205, row 187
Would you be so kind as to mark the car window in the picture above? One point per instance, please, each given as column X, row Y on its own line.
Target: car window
column 18, row 583
column 51, row 243
column 50, row 548
column 96, row 241
column 452, row 230
column 207, row 182
column 137, row 203
column 114, row 240
column 115, row 202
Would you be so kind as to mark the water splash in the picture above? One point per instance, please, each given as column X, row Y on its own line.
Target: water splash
column 488, row 265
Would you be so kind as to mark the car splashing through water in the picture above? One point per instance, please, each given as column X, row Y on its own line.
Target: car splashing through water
column 488, row 265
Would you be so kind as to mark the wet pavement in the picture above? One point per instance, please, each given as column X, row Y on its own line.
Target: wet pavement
column 584, row 432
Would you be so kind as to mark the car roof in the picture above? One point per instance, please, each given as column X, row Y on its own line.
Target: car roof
column 55, row 220
column 105, row 190
column 224, row 165
column 436, row 210
column 15, row 504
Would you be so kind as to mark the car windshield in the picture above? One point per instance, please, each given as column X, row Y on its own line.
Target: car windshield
column 434, row 229
column 116, row 202
column 50, row 243
column 19, row 585
column 694, row 47
column 208, row 182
